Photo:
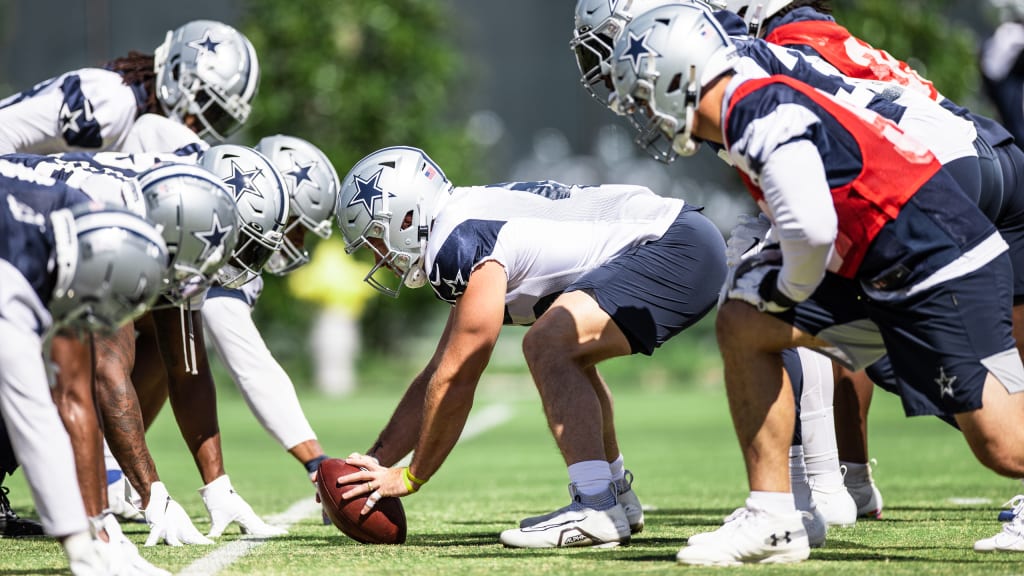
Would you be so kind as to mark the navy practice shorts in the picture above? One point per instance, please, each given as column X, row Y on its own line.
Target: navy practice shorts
column 655, row 290
column 942, row 341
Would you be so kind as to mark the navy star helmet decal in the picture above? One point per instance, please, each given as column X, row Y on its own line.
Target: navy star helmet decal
column 368, row 192
column 638, row 49
column 206, row 45
column 214, row 237
column 241, row 181
column 300, row 173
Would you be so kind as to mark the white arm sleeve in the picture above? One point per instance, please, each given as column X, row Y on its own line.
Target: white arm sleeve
column 798, row 197
column 266, row 387
column 31, row 124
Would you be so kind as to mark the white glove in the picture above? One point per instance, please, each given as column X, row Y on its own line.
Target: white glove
column 168, row 521
column 85, row 558
column 747, row 238
column 122, row 556
column 226, row 506
column 756, row 283
column 746, row 241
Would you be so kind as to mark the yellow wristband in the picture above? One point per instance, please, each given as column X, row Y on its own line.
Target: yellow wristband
column 412, row 483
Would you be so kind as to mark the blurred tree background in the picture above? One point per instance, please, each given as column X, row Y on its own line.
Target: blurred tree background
column 352, row 76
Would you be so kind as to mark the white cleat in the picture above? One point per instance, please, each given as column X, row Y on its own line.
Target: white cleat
column 816, row 526
column 625, row 495
column 584, row 527
column 865, row 494
column 836, row 504
column 123, row 500
column 1011, row 538
column 750, row 536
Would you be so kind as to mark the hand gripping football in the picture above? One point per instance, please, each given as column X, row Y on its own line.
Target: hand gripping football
column 385, row 524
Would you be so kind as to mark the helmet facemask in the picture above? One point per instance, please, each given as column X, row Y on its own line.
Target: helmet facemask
column 388, row 202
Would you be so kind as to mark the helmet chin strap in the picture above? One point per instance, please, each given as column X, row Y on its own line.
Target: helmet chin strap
column 683, row 142
column 66, row 250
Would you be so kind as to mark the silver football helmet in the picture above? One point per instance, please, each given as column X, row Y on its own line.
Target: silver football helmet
column 197, row 217
column 661, row 65
column 261, row 199
column 209, row 70
column 598, row 24
column 388, row 202
column 755, row 13
column 313, row 185
column 111, row 266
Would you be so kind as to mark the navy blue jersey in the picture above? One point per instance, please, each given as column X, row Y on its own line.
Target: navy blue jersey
column 26, row 235
column 871, row 168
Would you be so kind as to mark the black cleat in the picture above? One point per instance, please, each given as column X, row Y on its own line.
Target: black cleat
column 11, row 526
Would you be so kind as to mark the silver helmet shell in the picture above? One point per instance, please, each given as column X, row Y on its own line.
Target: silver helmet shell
column 208, row 70
column 661, row 65
column 390, row 199
column 111, row 266
column 261, row 199
column 197, row 217
column 313, row 187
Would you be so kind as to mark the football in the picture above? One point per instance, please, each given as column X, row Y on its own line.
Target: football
column 385, row 524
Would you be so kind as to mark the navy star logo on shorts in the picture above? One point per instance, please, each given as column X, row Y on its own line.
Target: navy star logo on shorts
column 638, row 49
column 368, row 192
column 945, row 383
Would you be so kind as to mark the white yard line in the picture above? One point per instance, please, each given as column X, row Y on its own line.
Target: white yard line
column 226, row 555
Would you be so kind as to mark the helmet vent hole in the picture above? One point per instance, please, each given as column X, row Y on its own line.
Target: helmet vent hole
column 388, row 164
column 407, row 221
column 675, row 84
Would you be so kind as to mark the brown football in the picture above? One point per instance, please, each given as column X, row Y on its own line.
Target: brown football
column 385, row 524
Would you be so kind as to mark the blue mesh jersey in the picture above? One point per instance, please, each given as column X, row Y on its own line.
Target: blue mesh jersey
column 26, row 236
column 946, row 134
column 90, row 109
column 545, row 234
column 871, row 170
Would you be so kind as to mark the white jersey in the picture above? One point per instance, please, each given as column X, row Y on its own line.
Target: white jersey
column 109, row 177
column 90, row 109
column 545, row 234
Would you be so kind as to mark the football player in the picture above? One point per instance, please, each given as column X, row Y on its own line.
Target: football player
column 227, row 312
column 806, row 25
column 204, row 76
column 844, row 262
column 71, row 264
column 596, row 272
column 201, row 80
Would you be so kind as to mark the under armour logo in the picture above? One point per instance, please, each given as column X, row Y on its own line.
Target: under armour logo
column 945, row 383
column 776, row 538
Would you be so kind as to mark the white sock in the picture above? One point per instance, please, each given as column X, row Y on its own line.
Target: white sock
column 773, row 502
column 798, row 478
column 590, row 476
column 618, row 467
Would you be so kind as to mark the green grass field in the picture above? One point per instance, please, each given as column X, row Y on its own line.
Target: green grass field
column 679, row 443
